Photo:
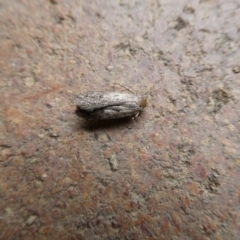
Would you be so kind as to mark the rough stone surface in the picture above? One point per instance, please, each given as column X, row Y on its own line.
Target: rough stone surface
column 178, row 165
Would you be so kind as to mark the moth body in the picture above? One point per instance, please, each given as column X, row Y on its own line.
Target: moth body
column 108, row 105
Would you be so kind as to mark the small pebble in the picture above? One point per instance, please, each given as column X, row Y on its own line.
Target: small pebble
column 109, row 67
column 31, row 219
column 236, row 69
column 113, row 163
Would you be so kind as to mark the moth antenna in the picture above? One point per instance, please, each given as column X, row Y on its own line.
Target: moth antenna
column 130, row 90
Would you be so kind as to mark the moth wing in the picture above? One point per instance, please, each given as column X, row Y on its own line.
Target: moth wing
column 91, row 101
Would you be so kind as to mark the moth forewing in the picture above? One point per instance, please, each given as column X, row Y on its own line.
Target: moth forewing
column 108, row 105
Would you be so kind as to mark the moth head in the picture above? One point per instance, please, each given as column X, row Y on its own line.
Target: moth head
column 143, row 102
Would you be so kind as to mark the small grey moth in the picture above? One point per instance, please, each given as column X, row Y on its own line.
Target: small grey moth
column 99, row 105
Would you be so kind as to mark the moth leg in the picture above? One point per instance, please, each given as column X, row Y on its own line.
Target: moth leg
column 135, row 116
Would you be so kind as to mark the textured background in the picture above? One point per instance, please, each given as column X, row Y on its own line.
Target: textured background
column 172, row 174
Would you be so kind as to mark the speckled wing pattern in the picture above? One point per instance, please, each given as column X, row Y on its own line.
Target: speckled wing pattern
column 107, row 105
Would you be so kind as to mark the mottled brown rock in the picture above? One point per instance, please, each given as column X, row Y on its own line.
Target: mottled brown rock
column 173, row 173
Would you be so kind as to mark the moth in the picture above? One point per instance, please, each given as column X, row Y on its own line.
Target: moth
column 100, row 105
